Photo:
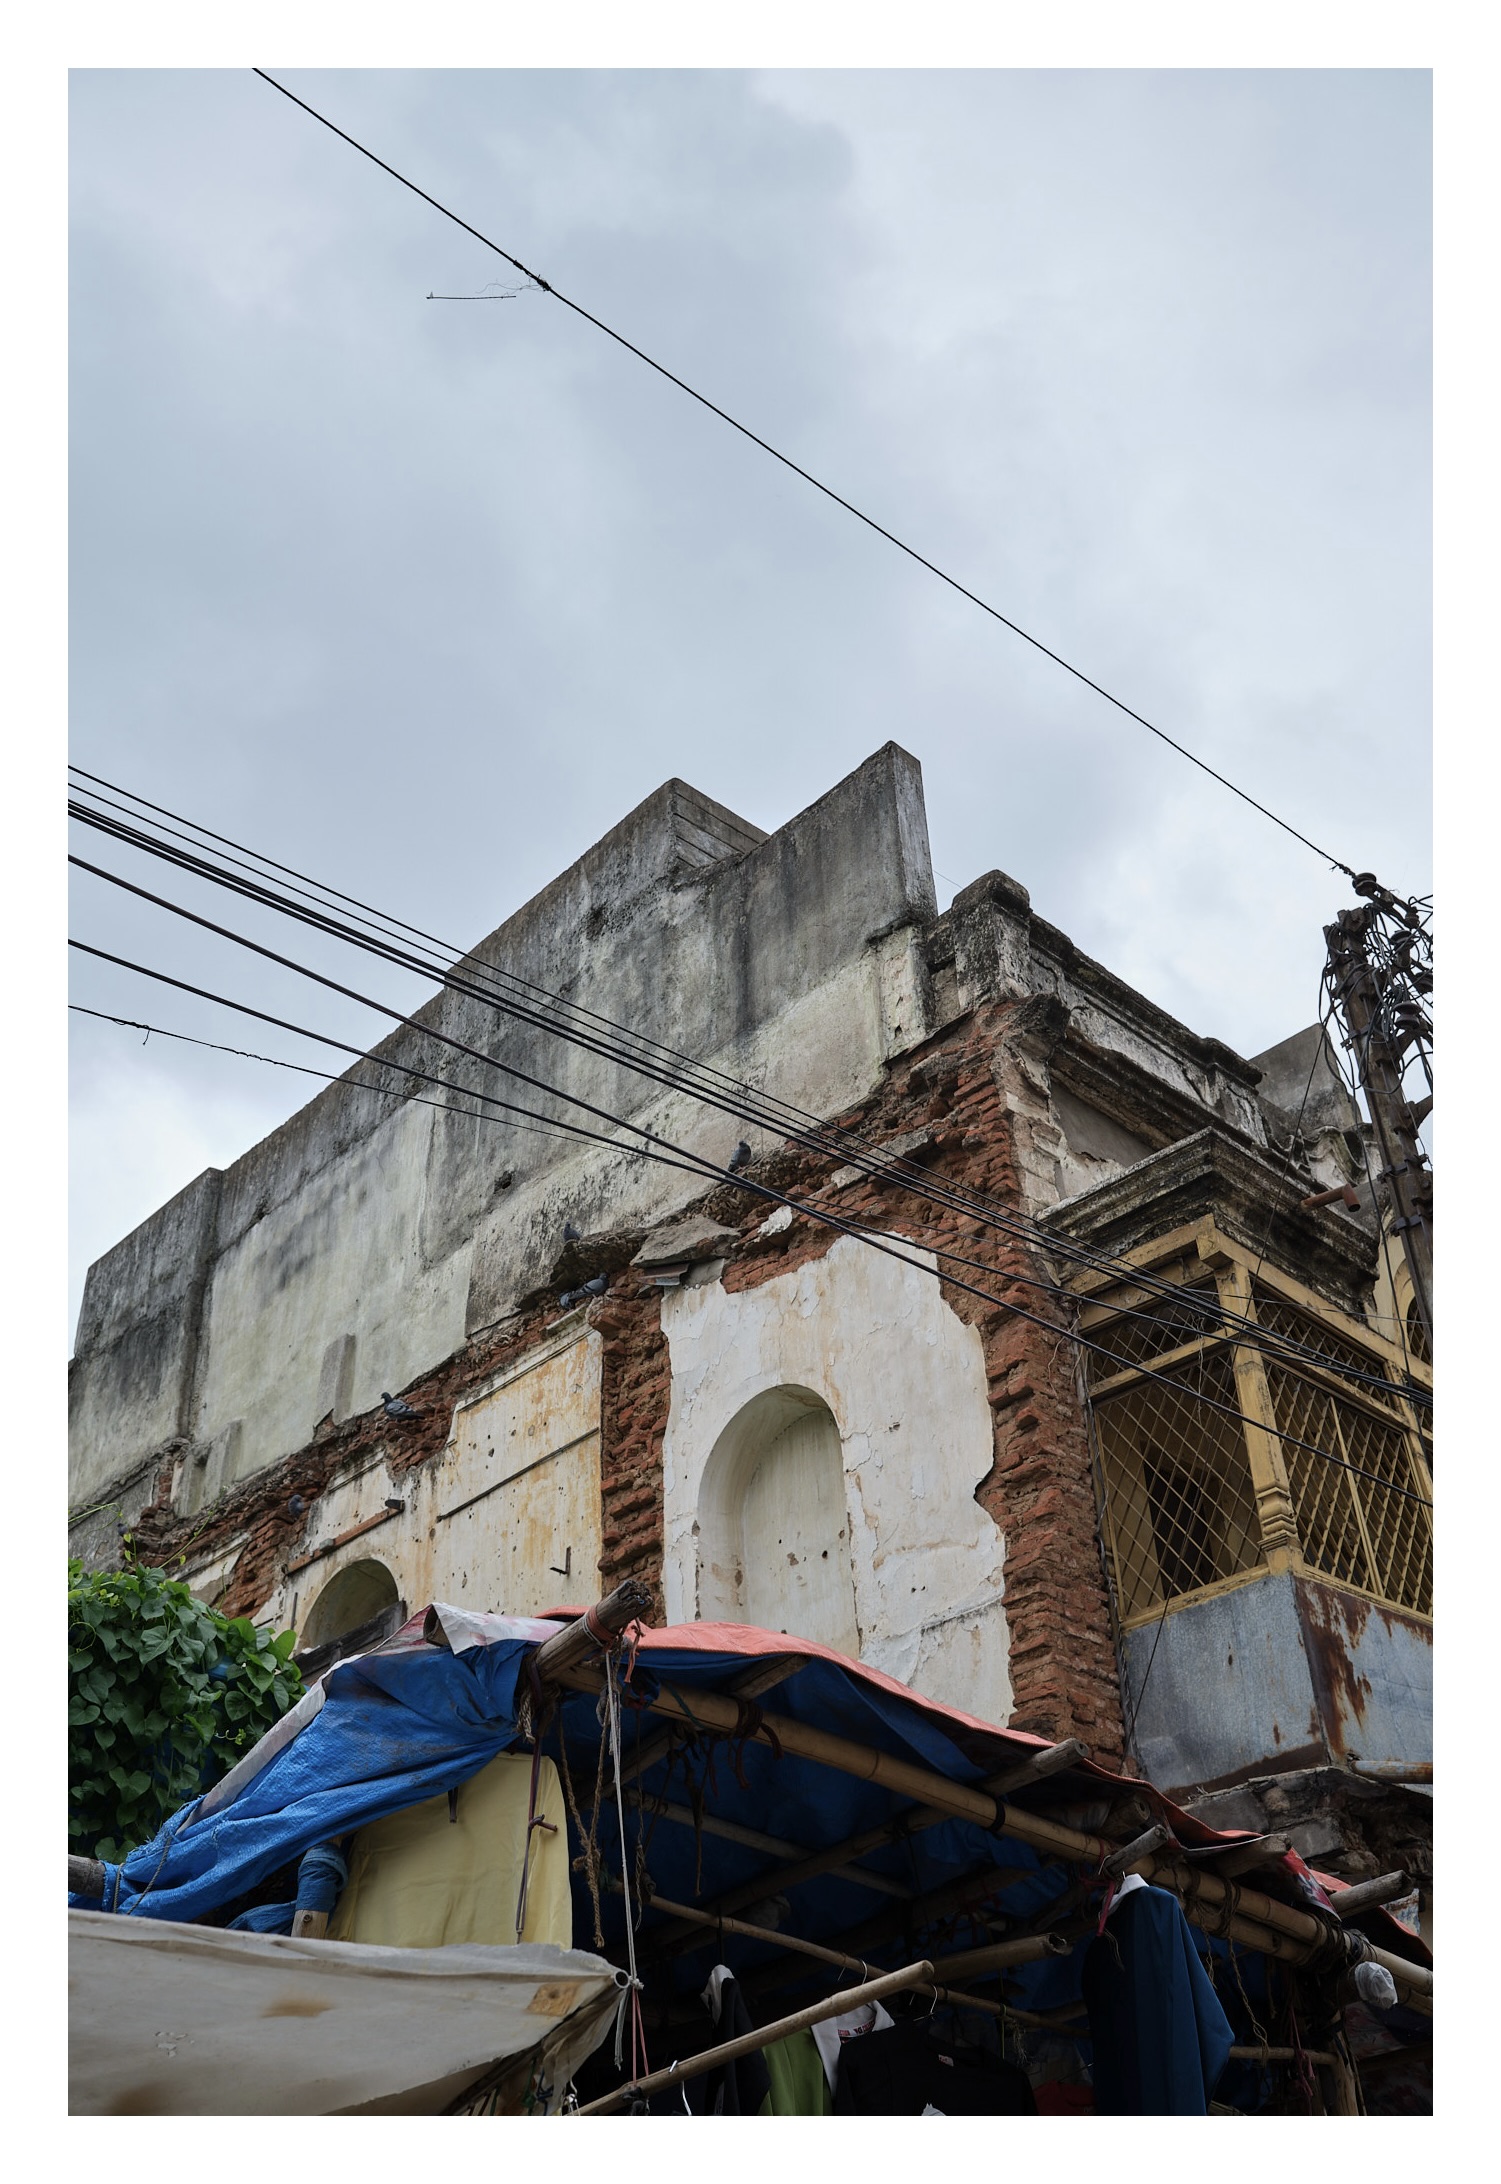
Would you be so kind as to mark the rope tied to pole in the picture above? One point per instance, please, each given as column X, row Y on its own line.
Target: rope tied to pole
column 610, row 1706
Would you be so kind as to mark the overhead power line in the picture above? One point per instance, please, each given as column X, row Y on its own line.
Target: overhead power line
column 677, row 1072
column 301, row 1069
column 818, row 485
column 559, row 1127
column 670, row 1154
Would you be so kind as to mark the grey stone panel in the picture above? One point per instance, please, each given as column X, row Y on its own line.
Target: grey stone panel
column 1224, row 1690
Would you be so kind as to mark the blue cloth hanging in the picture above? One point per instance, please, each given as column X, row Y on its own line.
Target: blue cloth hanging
column 1160, row 2036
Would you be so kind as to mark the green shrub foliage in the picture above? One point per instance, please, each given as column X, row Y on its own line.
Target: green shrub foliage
column 164, row 1695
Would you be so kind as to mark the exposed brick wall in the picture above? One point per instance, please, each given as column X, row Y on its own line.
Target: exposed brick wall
column 1039, row 1490
column 637, row 1389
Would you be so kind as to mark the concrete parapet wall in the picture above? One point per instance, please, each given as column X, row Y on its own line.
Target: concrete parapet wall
column 379, row 1230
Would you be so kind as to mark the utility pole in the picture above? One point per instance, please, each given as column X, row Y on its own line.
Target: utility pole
column 1380, row 975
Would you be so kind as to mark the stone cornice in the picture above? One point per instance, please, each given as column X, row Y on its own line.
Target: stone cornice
column 1253, row 1197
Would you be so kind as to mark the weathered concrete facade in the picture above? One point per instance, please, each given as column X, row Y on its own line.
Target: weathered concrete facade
column 764, row 1416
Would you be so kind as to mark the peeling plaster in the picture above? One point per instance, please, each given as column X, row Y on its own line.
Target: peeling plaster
column 904, row 1379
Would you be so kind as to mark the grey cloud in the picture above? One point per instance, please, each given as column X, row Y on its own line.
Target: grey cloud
column 423, row 597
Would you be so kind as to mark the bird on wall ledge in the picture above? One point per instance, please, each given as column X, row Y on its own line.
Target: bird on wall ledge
column 393, row 1407
column 739, row 1158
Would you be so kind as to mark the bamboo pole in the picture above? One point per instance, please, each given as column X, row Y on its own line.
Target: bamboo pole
column 979, row 1807
column 763, row 1676
column 1247, row 1909
column 750, row 2043
column 1035, row 1947
column 559, row 1657
column 1281, row 2055
column 999, row 1955
column 753, row 1839
column 872, row 1936
column 1244, row 1857
column 1137, row 1851
column 1366, row 1895
column 1342, row 2077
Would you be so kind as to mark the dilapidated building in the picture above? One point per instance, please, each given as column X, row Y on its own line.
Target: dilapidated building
column 921, row 1289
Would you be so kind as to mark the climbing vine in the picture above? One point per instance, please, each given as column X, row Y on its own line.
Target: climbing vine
column 164, row 1695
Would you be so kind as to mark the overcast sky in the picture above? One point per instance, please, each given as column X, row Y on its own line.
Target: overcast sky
column 422, row 597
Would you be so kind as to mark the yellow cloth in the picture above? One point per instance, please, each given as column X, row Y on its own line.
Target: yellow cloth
column 419, row 1881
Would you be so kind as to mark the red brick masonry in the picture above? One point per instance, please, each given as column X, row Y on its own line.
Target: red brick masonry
column 1039, row 1490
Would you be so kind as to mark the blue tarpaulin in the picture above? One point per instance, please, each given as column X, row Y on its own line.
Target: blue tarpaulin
column 413, row 1719
column 397, row 1726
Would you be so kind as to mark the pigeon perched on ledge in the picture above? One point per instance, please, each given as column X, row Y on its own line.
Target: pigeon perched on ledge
column 739, row 1158
column 393, row 1407
column 594, row 1288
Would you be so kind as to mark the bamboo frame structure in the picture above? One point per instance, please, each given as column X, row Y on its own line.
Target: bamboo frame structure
column 1222, row 1907
column 1213, row 1899
column 1030, row 1950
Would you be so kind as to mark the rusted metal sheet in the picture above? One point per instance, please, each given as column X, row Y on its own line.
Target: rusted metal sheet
column 1281, row 1673
column 1372, row 1673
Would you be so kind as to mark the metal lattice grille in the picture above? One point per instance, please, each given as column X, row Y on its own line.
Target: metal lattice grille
column 1179, row 1510
column 1311, row 1334
column 1153, row 1329
column 1352, row 1528
column 1418, row 1341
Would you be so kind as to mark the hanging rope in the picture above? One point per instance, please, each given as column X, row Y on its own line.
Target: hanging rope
column 1303, row 2076
column 587, row 1861
column 1256, row 2025
column 536, row 1722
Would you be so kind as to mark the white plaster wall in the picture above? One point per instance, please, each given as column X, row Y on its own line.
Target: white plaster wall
column 342, row 1256
column 904, row 1378
column 523, row 1453
column 515, row 1499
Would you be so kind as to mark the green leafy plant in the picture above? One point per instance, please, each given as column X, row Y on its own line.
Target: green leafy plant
column 164, row 1695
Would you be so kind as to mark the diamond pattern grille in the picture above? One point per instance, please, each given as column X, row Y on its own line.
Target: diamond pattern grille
column 1353, row 1528
column 1179, row 1509
column 1153, row 1329
column 1311, row 1334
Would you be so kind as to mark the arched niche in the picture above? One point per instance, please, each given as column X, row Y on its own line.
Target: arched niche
column 773, row 1523
column 356, row 1596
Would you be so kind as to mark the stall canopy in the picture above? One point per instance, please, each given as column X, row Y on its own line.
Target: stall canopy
column 168, row 2019
column 706, row 1815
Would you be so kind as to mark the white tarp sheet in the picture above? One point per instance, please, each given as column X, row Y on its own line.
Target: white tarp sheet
column 187, row 2020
